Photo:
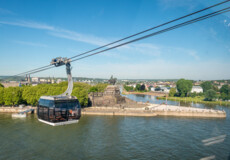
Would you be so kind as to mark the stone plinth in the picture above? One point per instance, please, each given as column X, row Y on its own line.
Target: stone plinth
column 110, row 97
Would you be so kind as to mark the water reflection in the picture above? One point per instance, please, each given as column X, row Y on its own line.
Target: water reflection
column 214, row 140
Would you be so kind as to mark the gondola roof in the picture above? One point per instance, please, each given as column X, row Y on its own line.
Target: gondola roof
column 58, row 97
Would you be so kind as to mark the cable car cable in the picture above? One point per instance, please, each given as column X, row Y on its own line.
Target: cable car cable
column 146, row 36
column 24, row 73
column 161, row 31
column 153, row 34
column 42, row 70
column 32, row 70
column 151, row 28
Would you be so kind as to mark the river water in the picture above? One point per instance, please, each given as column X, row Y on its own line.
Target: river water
column 117, row 137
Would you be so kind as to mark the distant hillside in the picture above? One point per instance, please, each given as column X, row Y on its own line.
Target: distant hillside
column 11, row 78
column 16, row 78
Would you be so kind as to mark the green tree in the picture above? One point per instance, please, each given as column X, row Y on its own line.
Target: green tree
column 138, row 87
column 101, row 87
column 215, row 88
column 224, row 96
column 172, row 92
column 142, row 88
column 225, row 92
column 81, row 92
column 184, row 87
column 210, row 95
column 194, row 94
column 12, row 96
column 128, row 88
column 224, row 89
column 1, row 85
column 93, row 89
column 1, row 95
column 29, row 94
column 206, row 86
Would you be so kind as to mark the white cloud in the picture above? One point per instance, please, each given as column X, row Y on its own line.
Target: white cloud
column 146, row 49
column 5, row 11
column 58, row 32
column 31, row 44
column 28, row 24
column 135, row 48
column 71, row 35
column 189, row 52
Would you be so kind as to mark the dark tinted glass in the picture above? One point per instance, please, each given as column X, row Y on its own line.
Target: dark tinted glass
column 46, row 102
column 67, row 104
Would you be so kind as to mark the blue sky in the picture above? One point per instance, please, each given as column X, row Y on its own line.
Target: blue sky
column 34, row 32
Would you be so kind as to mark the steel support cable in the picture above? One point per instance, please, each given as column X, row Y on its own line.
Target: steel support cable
column 25, row 73
column 42, row 69
column 31, row 72
column 153, row 34
column 149, row 35
column 174, row 20
column 161, row 31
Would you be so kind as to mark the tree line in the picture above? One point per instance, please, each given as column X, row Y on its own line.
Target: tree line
column 29, row 95
column 139, row 87
column 210, row 91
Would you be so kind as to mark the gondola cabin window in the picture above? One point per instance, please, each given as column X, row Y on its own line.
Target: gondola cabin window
column 58, row 109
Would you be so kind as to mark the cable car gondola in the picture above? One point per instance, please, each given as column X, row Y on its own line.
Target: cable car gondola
column 61, row 109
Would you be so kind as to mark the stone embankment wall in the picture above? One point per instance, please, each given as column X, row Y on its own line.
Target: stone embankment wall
column 149, row 111
column 15, row 109
column 170, row 110
column 114, row 111
column 191, row 114
column 155, row 110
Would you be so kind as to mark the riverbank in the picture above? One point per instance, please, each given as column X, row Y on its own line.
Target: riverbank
column 155, row 110
column 16, row 109
column 150, row 110
column 195, row 100
column 146, row 93
column 115, row 111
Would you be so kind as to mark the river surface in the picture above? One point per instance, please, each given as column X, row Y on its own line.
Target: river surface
column 117, row 137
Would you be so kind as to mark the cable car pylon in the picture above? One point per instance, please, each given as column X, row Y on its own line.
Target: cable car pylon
column 59, row 61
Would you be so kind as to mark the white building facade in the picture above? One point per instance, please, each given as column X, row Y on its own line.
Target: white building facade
column 35, row 79
column 197, row 89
